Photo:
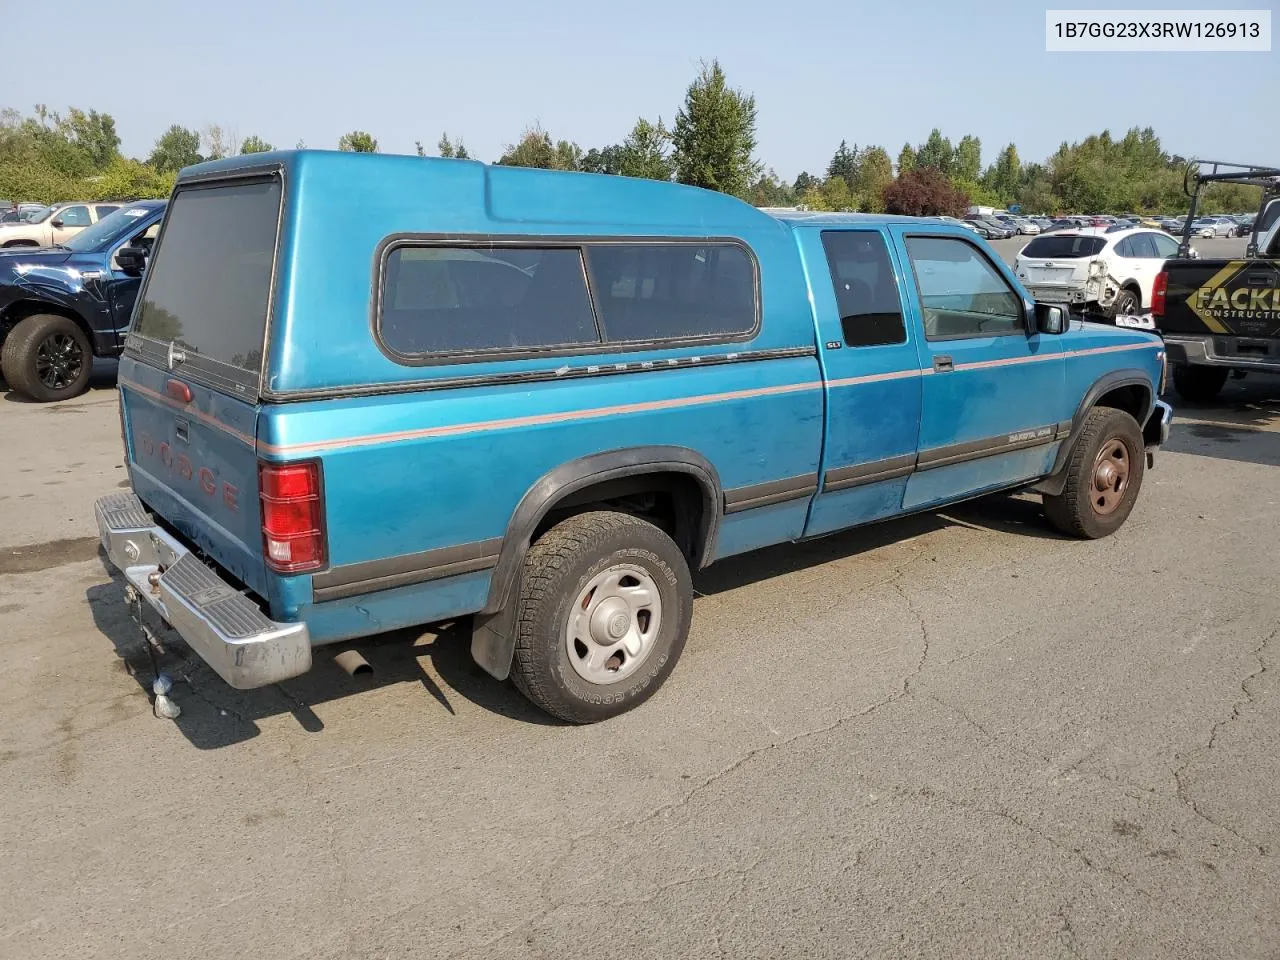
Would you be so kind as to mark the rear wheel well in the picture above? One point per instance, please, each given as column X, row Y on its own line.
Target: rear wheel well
column 674, row 502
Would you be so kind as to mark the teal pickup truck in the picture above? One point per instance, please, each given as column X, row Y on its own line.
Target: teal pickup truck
column 543, row 399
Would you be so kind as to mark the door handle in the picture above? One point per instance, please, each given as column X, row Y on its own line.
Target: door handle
column 943, row 364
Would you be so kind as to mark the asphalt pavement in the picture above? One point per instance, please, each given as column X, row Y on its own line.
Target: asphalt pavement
column 955, row 735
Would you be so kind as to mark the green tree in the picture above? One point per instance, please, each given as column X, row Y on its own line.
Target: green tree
column 455, row 151
column 607, row 160
column 255, row 144
column 936, row 152
column 94, row 133
column 804, row 182
column 967, row 165
column 176, row 148
column 906, row 159
column 357, row 141
column 1004, row 177
column 769, row 191
column 646, row 152
column 875, row 173
column 844, row 164
column 715, row 135
column 535, row 149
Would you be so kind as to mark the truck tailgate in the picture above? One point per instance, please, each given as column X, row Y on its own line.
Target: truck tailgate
column 194, row 463
column 1233, row 297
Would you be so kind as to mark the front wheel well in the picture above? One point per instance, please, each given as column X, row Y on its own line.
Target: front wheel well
column 18, row 311
column 1133, row 398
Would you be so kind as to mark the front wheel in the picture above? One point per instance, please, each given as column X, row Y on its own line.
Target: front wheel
column 605, row 605
column 1104, row 475
column 1199, row 384
column 47, row 357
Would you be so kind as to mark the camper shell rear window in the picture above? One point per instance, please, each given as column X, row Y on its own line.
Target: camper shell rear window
column 449, row 301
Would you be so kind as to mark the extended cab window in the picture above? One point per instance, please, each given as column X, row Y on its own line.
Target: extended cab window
column 209, row 283
column 961, row 293
column 866, row 288
column 450, row 300
column 673, row 291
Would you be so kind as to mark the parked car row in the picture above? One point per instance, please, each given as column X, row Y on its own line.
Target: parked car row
column 31, row 225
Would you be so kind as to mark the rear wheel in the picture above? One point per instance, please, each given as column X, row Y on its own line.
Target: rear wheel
column 47, row 357
column 605, row 604
column 1104, row 475
column 1199, row 384
column 1126, row 304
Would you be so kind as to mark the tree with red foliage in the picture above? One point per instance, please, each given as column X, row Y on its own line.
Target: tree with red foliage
column 924, row 192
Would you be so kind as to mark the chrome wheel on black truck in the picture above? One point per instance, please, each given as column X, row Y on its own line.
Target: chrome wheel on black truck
column 605, row 604
column 47, row 357
column 1104, row 475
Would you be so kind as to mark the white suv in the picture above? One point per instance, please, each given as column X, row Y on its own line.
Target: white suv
column 58, row 224
column 1095, row 271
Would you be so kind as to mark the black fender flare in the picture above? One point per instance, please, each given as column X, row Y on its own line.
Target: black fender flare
column 1056, row 479
column 493, row 637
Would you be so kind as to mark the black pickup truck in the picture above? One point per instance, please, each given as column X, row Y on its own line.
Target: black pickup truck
column 1222, row 317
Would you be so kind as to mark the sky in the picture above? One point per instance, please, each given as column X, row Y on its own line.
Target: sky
column 881, row 72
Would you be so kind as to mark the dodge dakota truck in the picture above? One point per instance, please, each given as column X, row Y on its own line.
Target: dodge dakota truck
column 1222, row 317
column 542, row 399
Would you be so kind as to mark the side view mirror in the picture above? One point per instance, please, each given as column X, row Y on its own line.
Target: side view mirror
column 56, row 222
column 1193, row 253
column 1050, row 318
column 131, row 260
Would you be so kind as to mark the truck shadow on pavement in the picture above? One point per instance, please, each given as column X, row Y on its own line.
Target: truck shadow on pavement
column 1242, row 425
column 214, row 715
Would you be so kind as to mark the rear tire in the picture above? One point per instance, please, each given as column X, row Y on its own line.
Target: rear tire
column 1104, row 476
column 605, row 605
column 47, row 357
column 1125, row 304
column 1199, row 384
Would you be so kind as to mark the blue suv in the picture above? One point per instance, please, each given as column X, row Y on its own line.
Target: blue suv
column 62, row 306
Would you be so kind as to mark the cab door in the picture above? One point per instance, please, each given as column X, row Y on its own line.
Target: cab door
column 993, row 393
column 872, row 378
column 69, row 221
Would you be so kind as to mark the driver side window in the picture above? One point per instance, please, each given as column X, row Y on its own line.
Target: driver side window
column 961, row 293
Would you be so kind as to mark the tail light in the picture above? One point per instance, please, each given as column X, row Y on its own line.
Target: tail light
column 292, row 497
column 1158, row 292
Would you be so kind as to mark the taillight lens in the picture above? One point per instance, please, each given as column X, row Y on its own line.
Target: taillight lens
column 292, row 498
column 1158, row 291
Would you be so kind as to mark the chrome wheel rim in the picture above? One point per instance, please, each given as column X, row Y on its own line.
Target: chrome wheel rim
column 59, row 361
column 613, row 624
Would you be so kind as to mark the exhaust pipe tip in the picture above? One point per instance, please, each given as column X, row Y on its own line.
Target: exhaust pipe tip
column 352, row 662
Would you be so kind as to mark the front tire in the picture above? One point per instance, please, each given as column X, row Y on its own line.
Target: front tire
column 605, row 605
column 1199, row 384
column 1104, row 476
column 47, row 357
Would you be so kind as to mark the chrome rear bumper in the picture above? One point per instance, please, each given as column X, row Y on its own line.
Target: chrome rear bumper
column 222, row 625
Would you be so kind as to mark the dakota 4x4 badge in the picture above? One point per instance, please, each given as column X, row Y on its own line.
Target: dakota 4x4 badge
column 1244, row 292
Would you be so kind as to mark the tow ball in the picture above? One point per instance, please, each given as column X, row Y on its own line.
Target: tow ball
column 164, row 706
